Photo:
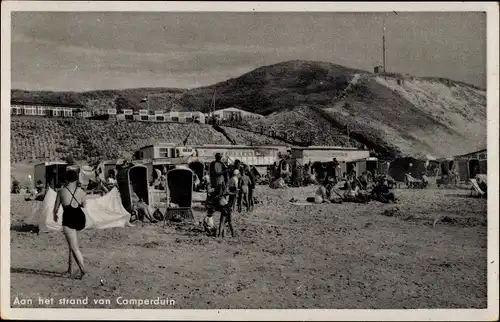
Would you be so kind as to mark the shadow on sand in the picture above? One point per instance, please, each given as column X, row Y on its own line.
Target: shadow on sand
column 33, row 271
column 24, row 228
column 465, row 196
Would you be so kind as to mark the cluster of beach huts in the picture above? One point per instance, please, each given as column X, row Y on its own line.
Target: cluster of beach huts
column 19, row 108
column 166, row 156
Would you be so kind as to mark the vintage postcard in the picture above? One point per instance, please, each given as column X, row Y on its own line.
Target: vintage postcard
column 249, row 161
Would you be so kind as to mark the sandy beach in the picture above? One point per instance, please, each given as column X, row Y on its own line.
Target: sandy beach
column 348, row 256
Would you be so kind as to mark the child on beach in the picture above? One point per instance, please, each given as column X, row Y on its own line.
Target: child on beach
column 208, row 223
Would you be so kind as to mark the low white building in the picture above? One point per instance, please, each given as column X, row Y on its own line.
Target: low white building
column 327, row 153
column 44, row 109
column 234, row 114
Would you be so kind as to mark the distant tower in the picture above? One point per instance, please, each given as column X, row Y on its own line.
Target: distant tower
column 383, row 49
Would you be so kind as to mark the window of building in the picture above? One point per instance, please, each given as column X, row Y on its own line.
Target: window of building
column 129, row 117
column 160, row 118
column 144, row 118
column 189, row 119
column 41, row 110
column 163, row 152
column 175, row 119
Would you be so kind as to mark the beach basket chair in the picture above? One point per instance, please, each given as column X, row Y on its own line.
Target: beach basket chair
column 475, row 189
column 137, row 176
column 179, row 195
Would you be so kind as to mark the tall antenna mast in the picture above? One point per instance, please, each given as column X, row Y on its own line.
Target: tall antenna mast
column 383, row 48
column 212, row 104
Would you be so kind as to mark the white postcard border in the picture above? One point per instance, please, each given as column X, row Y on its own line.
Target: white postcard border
column 489, row 314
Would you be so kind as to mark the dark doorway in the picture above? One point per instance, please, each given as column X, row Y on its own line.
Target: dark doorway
column 318, row 168
column 371, row 166
column 473, row 168
column 198, row 168
column 444, row 168
column 138, row 176
column 54, row 175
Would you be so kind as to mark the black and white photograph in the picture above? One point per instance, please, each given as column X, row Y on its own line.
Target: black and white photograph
column 250, row 156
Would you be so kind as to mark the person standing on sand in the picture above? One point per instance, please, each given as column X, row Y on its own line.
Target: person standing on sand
column 332, row 168
column 244, row 187
column 217, row 172
column 226, row 209
column 251, row 188
column 73, row 199
column 233, row 187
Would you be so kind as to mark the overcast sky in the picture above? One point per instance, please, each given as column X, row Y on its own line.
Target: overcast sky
column 88, row 50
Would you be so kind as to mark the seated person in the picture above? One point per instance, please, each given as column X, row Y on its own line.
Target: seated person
column 206, row 182
column 425, row 180
column 40, row 191
column 111, row 180
column 322, row 194
column 353, row 193
column 363, row 180
column 140, row 207
column 39, row 186
column 208, row 223
column 163, row 180
column 312, row 178
column 381, row 192
column 369, row 176
column 334, row 194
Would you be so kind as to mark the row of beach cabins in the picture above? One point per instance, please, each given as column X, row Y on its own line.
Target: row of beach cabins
column 167, row 155
column 144, row 115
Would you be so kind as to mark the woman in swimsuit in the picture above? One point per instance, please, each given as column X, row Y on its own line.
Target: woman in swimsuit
column 72, row 199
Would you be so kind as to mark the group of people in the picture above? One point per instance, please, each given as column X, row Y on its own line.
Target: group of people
column 230, row 187
column 364, row 188
column 355, row 191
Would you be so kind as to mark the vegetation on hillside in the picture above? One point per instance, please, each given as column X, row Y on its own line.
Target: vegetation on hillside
column 50, row 139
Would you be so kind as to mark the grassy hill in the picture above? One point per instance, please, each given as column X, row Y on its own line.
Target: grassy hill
column 319, row 103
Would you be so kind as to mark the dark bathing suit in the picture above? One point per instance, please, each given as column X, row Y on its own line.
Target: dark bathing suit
column 73, row 218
